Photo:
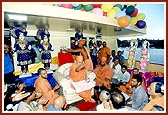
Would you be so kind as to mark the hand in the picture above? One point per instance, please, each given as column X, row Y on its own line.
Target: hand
column 20, row 96
column 43, row 101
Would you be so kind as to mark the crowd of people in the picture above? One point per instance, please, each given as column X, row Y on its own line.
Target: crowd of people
column 115, row 88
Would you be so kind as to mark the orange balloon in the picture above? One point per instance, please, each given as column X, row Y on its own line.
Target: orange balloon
column 123, row 21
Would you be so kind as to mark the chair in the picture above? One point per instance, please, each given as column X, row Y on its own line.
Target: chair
column 61, row 75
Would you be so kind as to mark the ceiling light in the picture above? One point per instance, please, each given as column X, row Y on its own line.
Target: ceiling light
column 17, row 17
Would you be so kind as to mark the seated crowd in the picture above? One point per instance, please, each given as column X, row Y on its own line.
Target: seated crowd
column 115, row 89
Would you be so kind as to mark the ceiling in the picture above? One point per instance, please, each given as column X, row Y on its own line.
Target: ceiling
column 60, row 24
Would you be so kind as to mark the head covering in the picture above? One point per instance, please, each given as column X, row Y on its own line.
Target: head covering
column 79, row 58
column 19, row 31
column 103, row 59
column 81, row 42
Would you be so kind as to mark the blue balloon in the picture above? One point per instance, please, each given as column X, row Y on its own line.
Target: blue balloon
column 141, row 24
column 130, row 10
column 120, row 13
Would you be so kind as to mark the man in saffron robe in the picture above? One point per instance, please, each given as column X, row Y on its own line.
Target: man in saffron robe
column 85, row 53
column 42, row 85
column 103, row 73
column 79, row 83
column 104, row 52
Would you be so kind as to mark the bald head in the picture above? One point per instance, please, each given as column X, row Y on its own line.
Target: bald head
column 59, row 102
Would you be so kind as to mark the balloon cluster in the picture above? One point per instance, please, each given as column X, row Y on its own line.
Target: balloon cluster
column 125, row 14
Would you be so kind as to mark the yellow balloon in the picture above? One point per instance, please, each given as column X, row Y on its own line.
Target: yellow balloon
column 140, row 16
column 133, row 20
column 111, row 14
column 106, row 7
column 116, row 9
column 85, row 4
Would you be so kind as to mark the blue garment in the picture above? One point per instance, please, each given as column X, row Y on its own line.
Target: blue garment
column 8, row 66
column 139, row 98
column 122, row 59
column 52, row 108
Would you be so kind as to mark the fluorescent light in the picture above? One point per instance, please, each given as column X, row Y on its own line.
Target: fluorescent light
column 17, row 17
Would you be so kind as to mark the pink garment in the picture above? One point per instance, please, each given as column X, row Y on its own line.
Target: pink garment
column 145, row 51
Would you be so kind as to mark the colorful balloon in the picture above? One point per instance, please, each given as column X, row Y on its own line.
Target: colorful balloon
column 141, row 24
column 88, row 7
column 98, row 11
column 119, row 6
column 69, row 6
column 134, row 13
column 97, row 5
column 78, row 7
column 117, row 9
column 140, row 16
column 133, row 20
column 123, row 21
column 75, row 5
column 111, row 14
column 130, row 10
column 106, row 7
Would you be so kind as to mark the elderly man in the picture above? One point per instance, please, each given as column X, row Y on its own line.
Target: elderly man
column 103, row 74
column 42, row 85
column 104, row 52
column 85, row 53
column 78, row 73
column 156, row 93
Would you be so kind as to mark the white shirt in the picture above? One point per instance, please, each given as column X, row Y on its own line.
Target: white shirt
column 116, row 70
column 124, row 77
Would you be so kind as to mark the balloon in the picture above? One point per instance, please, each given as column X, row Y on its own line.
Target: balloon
column 98, row 11
column 123, row 21
column 67, row 6
column 85, row 4
column 116, row 9
column 134, row 13
column 133, row 20
column 88, row 7
column 111, row 14
column 75, row 5
column 140, row 16
column 141, row 24
column 106, row 7
column 78, row 7
column 130, row 10
column 130, row 4
column 119, row 14
column 97, row 5
column 119, row 6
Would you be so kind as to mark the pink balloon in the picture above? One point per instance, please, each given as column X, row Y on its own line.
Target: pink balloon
column 134, row 13
column 97, row 11
column 67, row 6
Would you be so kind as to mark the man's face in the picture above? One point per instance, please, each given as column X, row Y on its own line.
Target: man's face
column 116, row 62
column 123, row 70
column 134, row 83
column 152, row 89
column 135, row 72
column 43, row 74
column 104, row 44
column 6, row 48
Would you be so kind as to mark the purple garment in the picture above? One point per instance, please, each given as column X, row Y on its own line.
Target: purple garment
column 23, row 54
column 46, row 54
